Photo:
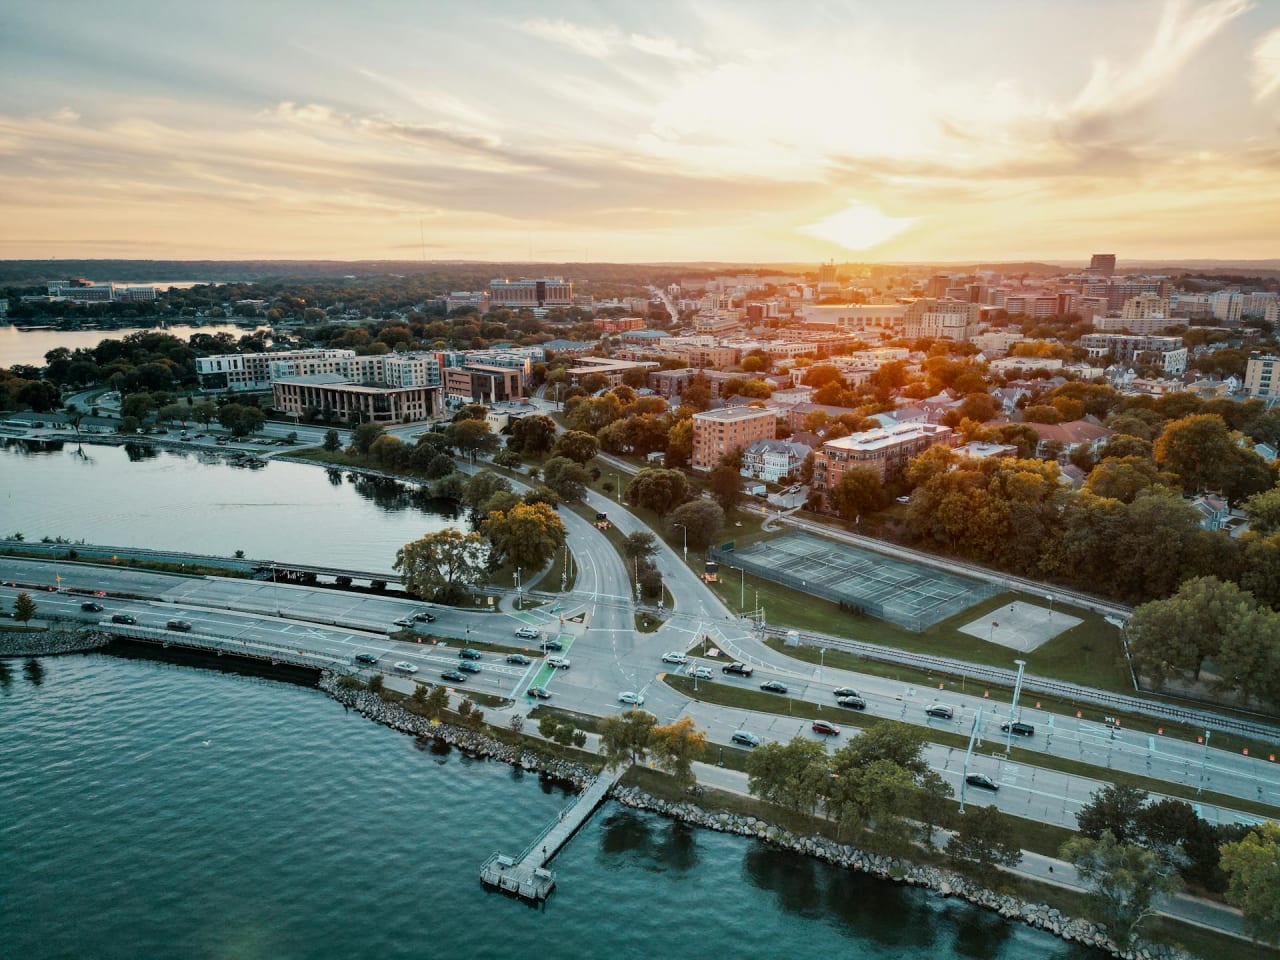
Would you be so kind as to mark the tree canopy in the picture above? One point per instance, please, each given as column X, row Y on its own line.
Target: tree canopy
column 442, row 566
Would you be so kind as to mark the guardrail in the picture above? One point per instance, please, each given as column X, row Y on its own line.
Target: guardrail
column 242, row 648
column 1043, row 685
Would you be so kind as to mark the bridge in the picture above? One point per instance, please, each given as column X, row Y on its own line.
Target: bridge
column 528, row 875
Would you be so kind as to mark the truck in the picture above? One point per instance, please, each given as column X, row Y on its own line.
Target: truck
column 741, row 669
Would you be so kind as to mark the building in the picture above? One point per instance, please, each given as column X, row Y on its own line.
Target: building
column 718, row 432
column 885, row 451
column 540, row 293
column 670, row 384
column 1145, row 306
column 349, row 400
column 995, row 343
column 1032, row 305
column 879, row 320
column 1142, row 326
column 482, row 383
column 252, row 371
column 479, row 299
column 773, row 460
column 956, row 320
column 1169, row 352
column 86, row 291
column 1227, row 306
column 611, row 370
column 1102, row 264
column 618, row 324
column 1262, row 377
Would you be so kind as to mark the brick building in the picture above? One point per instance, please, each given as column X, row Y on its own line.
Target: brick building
column 717, row 432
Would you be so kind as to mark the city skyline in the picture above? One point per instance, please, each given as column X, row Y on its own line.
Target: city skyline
column 674, row 132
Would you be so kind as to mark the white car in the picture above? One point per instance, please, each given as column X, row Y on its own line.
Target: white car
column 527, row 633
column 559, row 663
column 404, row 666
column 699, row 673
column 675, row 657
column 631, row 697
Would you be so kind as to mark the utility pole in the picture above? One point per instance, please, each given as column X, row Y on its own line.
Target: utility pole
column 1017, row 689
column 968, row 755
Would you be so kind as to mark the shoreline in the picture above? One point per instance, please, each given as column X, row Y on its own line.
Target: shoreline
column 944, row 883
column 53, row 642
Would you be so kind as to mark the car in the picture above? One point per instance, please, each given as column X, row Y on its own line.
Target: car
column 425, row 617
column 404, row 666
column 699, row 673
column 519, row 659
column 405, row 622
column 222, row 441
column 466, row 666
column 558, row 663
column 182, row 626
column 453, row 676
column 631, row 697
column 526, row 633
column 852, row 703
column 541, row 693
column 745, row 738
column 741, row 669
column 774, row 686
column 845, row 692
column 366, row 658
column 1020, row 728
column 826, row 728
column 941, row 711
column 91, row 606
column 903, row 499
column 675, row 656
column 123, row 618
column 551, row 645
column 981, row 780
column 467, row 653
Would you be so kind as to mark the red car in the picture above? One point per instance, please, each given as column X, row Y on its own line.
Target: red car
column 826, row 727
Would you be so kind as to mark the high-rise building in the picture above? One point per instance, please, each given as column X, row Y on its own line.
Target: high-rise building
column 717, row 432
column 1102, row 264
column 1262, row 376
column 1145, row 306
column 543, row 292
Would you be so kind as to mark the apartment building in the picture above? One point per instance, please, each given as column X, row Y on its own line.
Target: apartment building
column 532, row 293
column 885, row 450
column 1126, row 349
column 348, row 399
column 718, row 432
column 1262, row 376
column 956, row 320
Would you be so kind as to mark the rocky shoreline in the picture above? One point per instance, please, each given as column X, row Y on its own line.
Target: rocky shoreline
column 49, row 643
column 943, row 882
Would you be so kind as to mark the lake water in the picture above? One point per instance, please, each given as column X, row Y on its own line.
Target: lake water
column 139, row 496
column 18, row 346
column 156, row 810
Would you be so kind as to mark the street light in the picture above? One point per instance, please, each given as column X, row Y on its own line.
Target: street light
column 1049, row 597
column 685, row 531
column 1017, row 689
column 617, row 490
column 519, row 606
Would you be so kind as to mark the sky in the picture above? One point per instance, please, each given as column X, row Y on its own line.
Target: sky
column 917, row 130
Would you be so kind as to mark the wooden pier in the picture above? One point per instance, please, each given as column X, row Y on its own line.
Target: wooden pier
column 528, row 875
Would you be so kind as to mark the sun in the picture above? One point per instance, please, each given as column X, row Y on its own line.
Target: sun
column 859, row 226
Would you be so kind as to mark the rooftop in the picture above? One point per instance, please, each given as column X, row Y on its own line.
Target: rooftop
column 733, row 414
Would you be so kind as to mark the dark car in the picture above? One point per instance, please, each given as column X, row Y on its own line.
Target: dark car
column 1019, row 728
column 123, row 618
column 182, row 626
column 746, row 738
column 366, row 658
column 741, row 669
column 941, row 711
column 551, row 645
column 467, row 653
column 466, row 666
column 91, row 606
column 852, row 703
column 845, row 692
column 981, row 780
column 425, row 617
column 774, row 686
column 453, row 676
column 541, row 693
column 518, row 658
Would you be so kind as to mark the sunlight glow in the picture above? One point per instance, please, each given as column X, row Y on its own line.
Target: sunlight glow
column 859, row 226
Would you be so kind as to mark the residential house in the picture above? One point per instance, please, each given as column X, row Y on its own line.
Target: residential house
column 773, row 460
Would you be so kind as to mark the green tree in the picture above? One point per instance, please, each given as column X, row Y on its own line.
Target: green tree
column 1123, row 881
column 627, row 737
column 725, row 482
column 1123, row 478
column 795, row 775
column 861, row 794
column 858, row 492
column 576, row 445
column 532, row 435
column 1112, row 809
column 566, row 477
column 442, row 566
column 365, row 436
column 983, row 837
column 24, row 608
column 527, row 536
column 1177, row 635
column 1263, row 510
column 657, row 489
column 701, row 521
column 679, row 443
column 204, row 413
column 482, row 486
column 1253, row 865
column 332, row 442
column 639, row 545
column 436, row 703
column 1198, row 449
column 931, row 805
column 471, row 436
column 676, row 746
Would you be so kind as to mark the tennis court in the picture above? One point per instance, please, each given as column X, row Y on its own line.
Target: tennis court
column 905, row 593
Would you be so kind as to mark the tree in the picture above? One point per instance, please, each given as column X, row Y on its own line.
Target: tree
column 858, row 491
column 471, row 436
column 1207, row 456
column 24, row 608
column 899, row 743
column 441, row 566
column 1112, row 809
column 725, row 482
column 795, row 775
column 982, row 837
column 566, row 477
column 1253, row 865
column 639, row 545
column 1177, row 634
column 627, row 737
column 931, row 804
column 332, row 442
column 204, row 413
column 526, row 536
column 436, row 703
column 657, row 489
column 860, row 794
column 1263, row 510
column 676, row 746
column 679, row 443
column 1123, row 880
column 701, row 520
column 481, row 486
column 533, row 435
column 576, row 445
column 1171, row 828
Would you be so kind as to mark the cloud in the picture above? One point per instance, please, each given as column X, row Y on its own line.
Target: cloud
column 1266, row 65
column 602, row 43
column 1182, row 31
column 663, row 47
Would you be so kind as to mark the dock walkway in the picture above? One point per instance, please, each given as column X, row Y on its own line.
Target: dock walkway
column 527, row 875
